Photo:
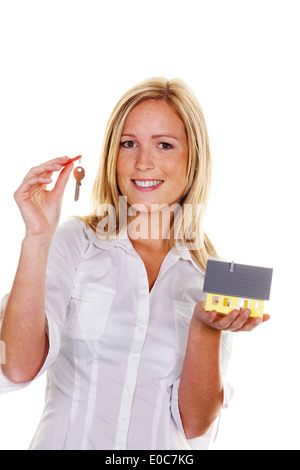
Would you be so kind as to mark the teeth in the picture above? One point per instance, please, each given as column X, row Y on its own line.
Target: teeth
column 147, row 184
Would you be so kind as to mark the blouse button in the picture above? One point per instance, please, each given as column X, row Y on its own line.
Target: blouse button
column 134, row 358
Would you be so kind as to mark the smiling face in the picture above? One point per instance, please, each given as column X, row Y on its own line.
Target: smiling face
column 153, row 155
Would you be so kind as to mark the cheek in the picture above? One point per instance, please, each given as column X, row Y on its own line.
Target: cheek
column 125, row 164
column 119, row 175
column 180, row 179
column 121, row 169
column 179, row 172
column 124, row 174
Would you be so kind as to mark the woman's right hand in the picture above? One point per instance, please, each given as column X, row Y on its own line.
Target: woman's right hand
column 40, row 208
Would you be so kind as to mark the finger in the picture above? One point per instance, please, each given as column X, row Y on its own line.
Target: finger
column 233, row 321
column 200, row 309
column 59, row 160
column 72, row 160
column 223, row 322
column 43, row 170
column 62, row 180
column 55, row 161
column 251, row 324
column 240, row 318
column 256, row 321
column 31, row 183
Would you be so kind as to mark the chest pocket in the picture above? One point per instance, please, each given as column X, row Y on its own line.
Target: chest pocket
column 89, row 308
column 183, row 314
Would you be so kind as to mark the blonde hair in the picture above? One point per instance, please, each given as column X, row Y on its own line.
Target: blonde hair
column 182, row 99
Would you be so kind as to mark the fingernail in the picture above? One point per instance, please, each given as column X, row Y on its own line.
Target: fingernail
column 212, row 315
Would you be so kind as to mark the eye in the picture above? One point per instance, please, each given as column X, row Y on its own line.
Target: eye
column 165, row 146
column 127, row 144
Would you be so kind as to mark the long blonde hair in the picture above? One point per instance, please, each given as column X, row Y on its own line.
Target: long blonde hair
column 105, row 190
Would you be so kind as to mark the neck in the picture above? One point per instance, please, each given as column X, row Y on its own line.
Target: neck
column 151, row 230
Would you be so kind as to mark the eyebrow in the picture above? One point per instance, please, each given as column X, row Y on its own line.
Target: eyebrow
column 156, row 136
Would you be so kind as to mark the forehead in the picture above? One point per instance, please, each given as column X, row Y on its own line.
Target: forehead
column 157, row 116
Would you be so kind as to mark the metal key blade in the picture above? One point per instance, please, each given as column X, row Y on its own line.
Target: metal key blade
column 79, row 174
column 77, row 191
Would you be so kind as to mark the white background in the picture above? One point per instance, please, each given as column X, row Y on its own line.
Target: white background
column 65, row 63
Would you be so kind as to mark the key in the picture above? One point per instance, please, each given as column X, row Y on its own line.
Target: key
column 79, row 174
column 72, row 160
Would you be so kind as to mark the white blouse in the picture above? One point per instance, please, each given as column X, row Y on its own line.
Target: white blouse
column 116, row 350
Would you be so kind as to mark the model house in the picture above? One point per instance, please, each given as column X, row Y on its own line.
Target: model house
column 232, row 286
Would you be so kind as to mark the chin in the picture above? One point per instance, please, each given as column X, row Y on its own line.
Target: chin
column 144, row 207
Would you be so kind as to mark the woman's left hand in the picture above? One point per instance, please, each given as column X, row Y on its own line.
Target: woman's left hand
column 235, row 321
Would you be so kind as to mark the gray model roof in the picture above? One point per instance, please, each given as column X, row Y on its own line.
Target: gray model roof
column 238, row 280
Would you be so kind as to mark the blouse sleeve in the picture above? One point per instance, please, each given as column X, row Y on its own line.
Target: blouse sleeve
column 199, row 442
column 67, row 248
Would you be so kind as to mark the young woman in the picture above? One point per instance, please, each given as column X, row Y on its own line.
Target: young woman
column 111, row 305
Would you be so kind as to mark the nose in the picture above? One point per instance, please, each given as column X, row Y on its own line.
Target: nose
column 144, row 160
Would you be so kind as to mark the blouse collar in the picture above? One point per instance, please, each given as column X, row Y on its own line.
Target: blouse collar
column 122, row 240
